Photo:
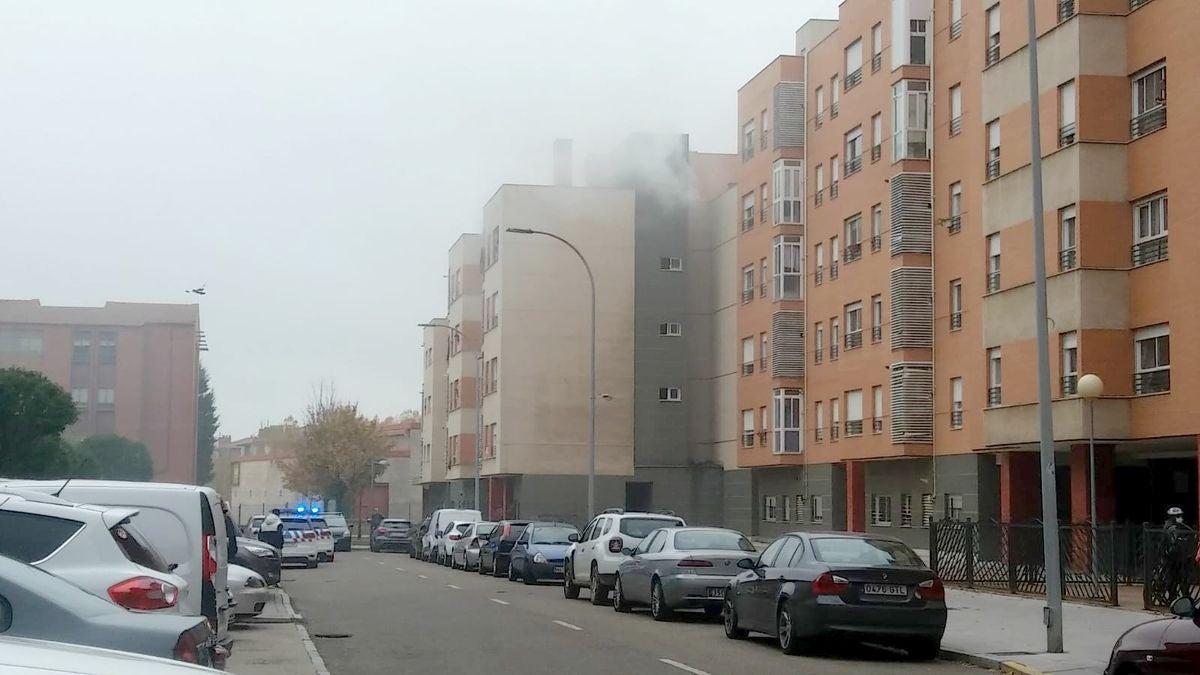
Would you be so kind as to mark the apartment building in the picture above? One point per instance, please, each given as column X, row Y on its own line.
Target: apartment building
column 131, row 368
column 430, row 469
column 464, row 367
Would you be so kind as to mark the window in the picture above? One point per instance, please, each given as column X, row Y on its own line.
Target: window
column 789, row 266
column 80, row 396
column 910, row 120
column 764, row 425
column 992, row 53
column 769, row 514
column 906, row 511
column 835, row 335
column 876, row 228
column 787, row 517
column 1150, row 230
column 747, row 428
column 835, row 167
column 956, row 403
column 854, row 63
column 81, row 349
column 1070, row 362
column 854, row 325
column 835, row 254
column 748, row 140
column 993, row 396
column 876, row 47
column 876, row 318
column 788, row 178
column 854, row 413
column 1149, row 100
column 671, row 394
column 20, row 343
column 40, row 535
column 955, row 223
column 876, row 136
column 493, row 380
column 107, row 353
column 854, row 149
column 956, row 304
column 955, row 19
column 762, row 357
column 105, row 396
column 494, row 315
column 1152, row 359
column 763, row 275
column 917, row 29
column 954, row 507
column 993, row 263
column 747, row 211
column 820, row 105
column 1066, row 114
column 818, row 342
column 670, row 329
column 747, row 356
column 835, row 97
column 835, row 418
column 764, row 202
column 820, row 181
column 881, row 510
column 818, row 508
column 927, row 507
column 1067, row 238
column 955, row 109
column 819, row 421
column 670, row 264
column 993, row 149
column 853, row 233
column 819, row 252
column 877, row 409
column 747, row 283
column 766, row 129
column 495, row 244
column 789, row 420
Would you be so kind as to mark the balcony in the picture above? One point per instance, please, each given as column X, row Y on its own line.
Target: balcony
column 1070, row 384
column 954, row 224
column 835, row 430
column 993, row 168
column 853, row 79
column 833, row 269
column 877, row 425
column 993, row 396
column 956, row 419
column 1067, row 260
column 748, row 368
column 876, row 152
column 955, row 320
column 854, row 427
column 747, row 295
column 834, row 109
column 833, row 190
column 876, row 334
column 853, row 252
column 1152, row 381
column 747, row 439
column 818, row 276
column 833, row 352
column 1149, row 251
column 956, row 29
column 876, row 62
column 762, row 290
column 818, row 355
column 1066, row 135
column 876, row 243
column 819, row 196
column 1151, row 120
column 1066, row 10
column 993, row 282
column 955, row 126
column 818, row 434
column 853, row 165
column 992, row 56
column 853, row 340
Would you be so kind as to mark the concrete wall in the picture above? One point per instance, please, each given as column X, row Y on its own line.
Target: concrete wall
column 738, row 505
column 974, row 477
column 824, row 480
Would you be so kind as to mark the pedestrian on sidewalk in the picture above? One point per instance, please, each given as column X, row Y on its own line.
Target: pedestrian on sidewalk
column 231, row 531
column 271, row 530
column 1175, row 556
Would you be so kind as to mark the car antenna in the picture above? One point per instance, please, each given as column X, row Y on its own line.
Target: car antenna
column 64, row 487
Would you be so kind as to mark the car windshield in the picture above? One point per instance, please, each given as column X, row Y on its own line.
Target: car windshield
column 552, row 535
column 860, row 551
column 485, row 528
column 136, row 547
column 301, row 525
column 319, row 523
column 715, row 540
column 396, row 524
column 335, row 520
column 640, row 527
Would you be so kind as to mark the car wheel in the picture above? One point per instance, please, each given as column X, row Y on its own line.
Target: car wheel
column 496, row 567
column 512, row 571
column 528, row 578
column 658, row 603
column 732, row 631
column 570, row 590
column 712, row 610
column 599, row 590
column 924, row 650
column 619, row 603
column 785, row 631
column 311, row 564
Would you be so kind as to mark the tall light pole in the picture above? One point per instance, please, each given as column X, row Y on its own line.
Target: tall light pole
column 591, row 484
column 1052, row 562
column 478, row 404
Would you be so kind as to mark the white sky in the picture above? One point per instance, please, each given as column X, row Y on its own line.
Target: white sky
column 312, row 161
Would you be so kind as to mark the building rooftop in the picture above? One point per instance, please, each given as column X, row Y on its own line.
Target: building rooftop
column 111, row 314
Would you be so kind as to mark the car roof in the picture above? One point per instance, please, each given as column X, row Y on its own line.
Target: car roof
column 58, row 657
column 108, row 516
column 642, row 514
column 550, row 523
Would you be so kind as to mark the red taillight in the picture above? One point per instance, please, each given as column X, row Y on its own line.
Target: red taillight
column 689, row 562
column 454, row 536
column 380, row 531
column 830, row 584
column 144, row 593
column 309, row 535
column 186, row 649
column 209, row 568
column 615, row 545
column 931, row 589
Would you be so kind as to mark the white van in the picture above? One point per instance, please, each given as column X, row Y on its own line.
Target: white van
column 439, row 522
column 185, row 525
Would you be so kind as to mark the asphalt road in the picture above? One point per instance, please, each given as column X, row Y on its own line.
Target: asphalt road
column 402, row 615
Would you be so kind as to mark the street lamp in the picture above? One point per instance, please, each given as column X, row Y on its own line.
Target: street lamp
column 478, row 404
column 1091, row 387
column 591, row 493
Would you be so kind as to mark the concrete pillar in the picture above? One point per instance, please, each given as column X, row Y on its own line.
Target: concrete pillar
column 1020, row 487
column 856, row 496
column 1081, row 484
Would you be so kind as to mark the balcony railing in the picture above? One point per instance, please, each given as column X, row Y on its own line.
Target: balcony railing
column 853, row 165
column 1067, row 260
column 853, row 79
column 955, row 320
column 854, row 340
column 818, row 355
column 954, row 225
column 993, row 282
column 762, row 290
column 834, row 109
column 1066, row 135
column 854, row 427
column 819, row 196
column 833, row 190
column 762, row 438
column 956, row 419
column 876, row 152
column 833, row 352
column 833, row 269
column 747, row 439
column 747, row 221
column 993, row 396
column 876, row 62
column 818, row 275
column 992, row 56
column 835, row 431
column 1134, row 4
column 993, row 168
column 955, row 29
column 1152, row 382
column 1151, row 250
column 1070, row 384
column 762, row 364
column 1151, row 120
column 1066, row 9
column 818, row 434
column 876, row 333
column 820, row 119
column 876, row 243
column 877, row 425
column 747, row 295
column 955, row 125
column 762, row 214
column 853, row 252
column 748, row 368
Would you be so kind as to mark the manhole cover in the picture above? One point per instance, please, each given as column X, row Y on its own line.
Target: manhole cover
column 331, row 636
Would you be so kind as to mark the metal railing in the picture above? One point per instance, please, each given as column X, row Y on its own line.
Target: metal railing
column 834, row 432
column 876, row 62
column 955, row 320
column 1067, row 260
column 762, row 290
column 954, row 224
column 876, row 333
column 833, row 190
column 1134, row 4
column 853, row 165
column 955, row 29
column 993, row 168
column 762, row 364
column 818, row 434
column 747, row 439
column 853, row 252
column 992, row 56
column 818, row 355
column 955, row 125
column 818, row 275
column 1066, row 10
column 1151, row 120
column 876, row 152
column 993, row 396
column 956, row 419
column 1152, row 382
column 854, row 427
column 1069, row 384
column 993, row 282
column 854, row 339
column 1151, row 250
column 1066, row 135
column 747, row 221
column 852, row 80
column 748, row 368
column 819, row 196
column 762, row 438
column 876, row 243
column 833, row 269
column 833, row 352
column 877, row 425
column 747, row 295
column 834, row 109
column 820, row 119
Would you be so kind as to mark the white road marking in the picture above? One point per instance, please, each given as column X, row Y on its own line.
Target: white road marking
column 498, row 601
column 564, row 624
column 399, row 569
column 457, row 588
column 683, row 666
column 381, row 562
column 422, row 576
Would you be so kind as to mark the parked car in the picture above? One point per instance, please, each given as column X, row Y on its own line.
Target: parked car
column 184, row 523
column 325, row 542
column 29, row 657
column 38, row 605
column 465, row 554
column 253, row 526
column 493, row 555
column 393, row 534
column 250, row 594
column 680, row 568
column 300, row 545
column 416, row 537
column 439, row 523
column 1169, row 645
column 97, row 549
column 450, row 537
column 597, row 554
column 340, row 530
column 807, row 587
column 539, row 552
column 261, row 557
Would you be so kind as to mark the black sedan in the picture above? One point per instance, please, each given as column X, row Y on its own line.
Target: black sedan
column 260, row 557
column 1160, row 646
column 493, row 555
column 806, row 587
column 393, row 534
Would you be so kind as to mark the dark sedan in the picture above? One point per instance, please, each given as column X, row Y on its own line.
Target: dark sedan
column 393, row 534
column 809, row 586
column 539, row 552
column 493, row 556
column 1160, row 646
column 260, row 557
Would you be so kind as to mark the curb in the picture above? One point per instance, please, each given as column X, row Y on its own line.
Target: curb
column 314, row 657
column 1017, row 668
column 978, row 660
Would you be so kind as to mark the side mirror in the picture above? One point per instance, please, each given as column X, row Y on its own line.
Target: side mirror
column 172, row 567
column 1183, row 608
column 573, row 537
column 628, row 551
column 746, row 564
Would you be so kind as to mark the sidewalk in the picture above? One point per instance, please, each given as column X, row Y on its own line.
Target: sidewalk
column 274, row 643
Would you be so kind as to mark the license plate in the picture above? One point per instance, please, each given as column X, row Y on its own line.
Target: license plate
column 885, row 589
column 558, row 570
column 717, row 592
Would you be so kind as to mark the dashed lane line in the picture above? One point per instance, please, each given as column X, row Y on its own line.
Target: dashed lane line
column 683, row 667
column 399, row 569
column 457, row 588
column 498, row 601
column 422, row 576
column 564, row 624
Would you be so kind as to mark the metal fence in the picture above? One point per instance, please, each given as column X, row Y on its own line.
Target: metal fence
column 1095, row 562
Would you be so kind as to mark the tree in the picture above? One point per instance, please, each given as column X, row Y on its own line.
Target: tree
column 112, row 457
column 338, row 451
column 33, row 414
column 206, row 428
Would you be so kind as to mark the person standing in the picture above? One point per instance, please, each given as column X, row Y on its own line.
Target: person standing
column 376, row 519
column 231, row 532
column 1175, row 556
column 271, row 530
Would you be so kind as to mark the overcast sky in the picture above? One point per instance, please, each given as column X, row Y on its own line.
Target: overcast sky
column 311, row 162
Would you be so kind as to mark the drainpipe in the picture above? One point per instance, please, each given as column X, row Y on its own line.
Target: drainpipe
column 933, row 221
